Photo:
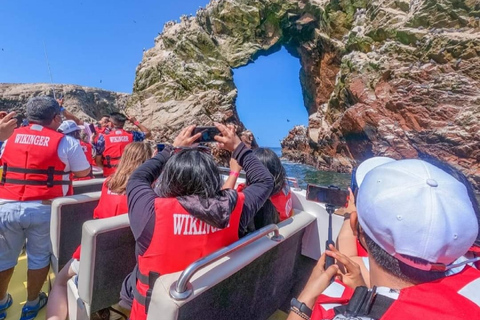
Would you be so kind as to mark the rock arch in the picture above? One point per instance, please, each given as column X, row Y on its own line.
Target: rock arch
column 394, row 78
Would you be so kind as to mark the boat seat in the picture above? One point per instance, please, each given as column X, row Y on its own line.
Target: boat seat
column 67, row 216
column 251, row 282
column 84, row 186
column 107, row 257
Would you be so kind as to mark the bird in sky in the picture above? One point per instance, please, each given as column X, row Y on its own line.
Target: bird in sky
column 288, row 120
column 100, row 81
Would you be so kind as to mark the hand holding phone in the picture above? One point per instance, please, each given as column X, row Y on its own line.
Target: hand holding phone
column 208, row 134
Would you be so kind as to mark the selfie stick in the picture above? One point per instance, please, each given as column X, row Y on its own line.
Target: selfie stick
column 49, row 71
column 329, row 260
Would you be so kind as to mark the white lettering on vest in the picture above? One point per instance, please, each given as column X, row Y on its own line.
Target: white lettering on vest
column 470, row 291
column 119, row 139
column 32, row 139
column 187, row 225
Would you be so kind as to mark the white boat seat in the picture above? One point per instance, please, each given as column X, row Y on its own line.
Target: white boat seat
column 107, row 257
column 249, row 283
column 67, row 216
column 84, row 186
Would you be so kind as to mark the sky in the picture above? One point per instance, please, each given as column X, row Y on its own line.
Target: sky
column 100, row 43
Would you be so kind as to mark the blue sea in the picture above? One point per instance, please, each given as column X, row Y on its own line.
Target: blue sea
column 308, row 174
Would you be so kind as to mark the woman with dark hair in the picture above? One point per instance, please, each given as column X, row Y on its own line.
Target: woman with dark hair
column 278, row 207
column 188, row 216
column 113, row 202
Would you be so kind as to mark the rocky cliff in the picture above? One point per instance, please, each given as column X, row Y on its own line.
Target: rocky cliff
column 86, row 103
column 395, row 78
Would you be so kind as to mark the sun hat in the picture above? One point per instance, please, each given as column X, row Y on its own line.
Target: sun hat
column 412, row 208
column 69, row 126
column 367, row 165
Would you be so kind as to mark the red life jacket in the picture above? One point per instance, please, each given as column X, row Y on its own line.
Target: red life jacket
column 115, row 142
column 452, row 297
column 178, row 240
column 110, row 205
column 87, row 149
column 282, row 201
column 32, row 169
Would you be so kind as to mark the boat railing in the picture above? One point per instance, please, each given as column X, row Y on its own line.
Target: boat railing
column 182, row 288
column 294, row 182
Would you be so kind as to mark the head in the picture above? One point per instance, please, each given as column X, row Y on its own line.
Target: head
column 104, row 121
column 117, row 120
column 133, row 156
column 44, row 111
column 190, row 172
column 409, row 219
column 70, row 128
column 272, row 162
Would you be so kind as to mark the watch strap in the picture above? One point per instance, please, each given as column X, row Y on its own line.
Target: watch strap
column 300, row 309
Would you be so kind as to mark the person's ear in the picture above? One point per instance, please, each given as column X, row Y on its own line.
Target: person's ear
column 354, row 222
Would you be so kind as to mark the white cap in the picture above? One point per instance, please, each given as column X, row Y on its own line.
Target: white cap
column 410, row 207
column 69, row 126
column 368, row 165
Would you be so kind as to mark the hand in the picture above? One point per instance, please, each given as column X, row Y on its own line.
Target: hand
column 319, row 280
column 234, row 166
column 349, row 271
column 132, row 119
column 229, row 139
column 185, row 138
column 60, row 102
column 7, row 124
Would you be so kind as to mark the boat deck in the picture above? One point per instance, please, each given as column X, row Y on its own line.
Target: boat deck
column 18, row 290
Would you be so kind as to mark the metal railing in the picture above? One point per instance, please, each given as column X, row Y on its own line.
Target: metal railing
column 182, row 288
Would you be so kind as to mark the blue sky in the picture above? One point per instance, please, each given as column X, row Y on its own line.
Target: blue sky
column 100, row 43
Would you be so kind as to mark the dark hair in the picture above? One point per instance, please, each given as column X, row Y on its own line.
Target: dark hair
column 457, row 174
column 42, row 110
column 118, row 118
column 190, row 172
column 105, row 116
column 397, row 268
column 268, row 214
column 75, row 134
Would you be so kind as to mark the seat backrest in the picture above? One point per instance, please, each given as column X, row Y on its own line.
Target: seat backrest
column 67, row 216
column 107, row 257
column 85, row 186
column 250, row 283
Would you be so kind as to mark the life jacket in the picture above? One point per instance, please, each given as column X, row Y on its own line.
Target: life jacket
column 110, row 205
column 452, row 297
column 115, row 142
column 87, row 149
column 178, row 240
column 32, row 169
column 282, row 201
column 99, row 131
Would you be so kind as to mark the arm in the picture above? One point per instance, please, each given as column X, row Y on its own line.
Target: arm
column 346, row 240
column 75, row 157
column 67, row 114
column 232, row 177
column 140, row 126
column 260, row 179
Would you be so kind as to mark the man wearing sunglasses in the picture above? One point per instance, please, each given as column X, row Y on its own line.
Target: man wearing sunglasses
column 37, row 161
column 415, row 221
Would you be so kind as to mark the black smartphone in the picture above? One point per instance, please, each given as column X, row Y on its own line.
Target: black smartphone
column 330, row 195
column 91, row 126
column 160, row 147
column 208, row 133
column 353, row 181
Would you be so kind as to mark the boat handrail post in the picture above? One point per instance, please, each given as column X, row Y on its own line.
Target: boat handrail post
column 182, row 288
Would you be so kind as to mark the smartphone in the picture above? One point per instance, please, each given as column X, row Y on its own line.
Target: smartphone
column 353, row 181
column 208, row 133
column 160, row 147
column 91, row 126
column 329, row 195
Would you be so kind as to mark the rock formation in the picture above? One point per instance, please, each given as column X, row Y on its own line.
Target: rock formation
column 393, row 78
column 86, row 103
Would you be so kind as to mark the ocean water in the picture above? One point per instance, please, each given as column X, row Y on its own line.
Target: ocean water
column 307, row 174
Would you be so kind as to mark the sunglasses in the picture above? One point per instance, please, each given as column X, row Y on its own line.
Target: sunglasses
column 202, row 149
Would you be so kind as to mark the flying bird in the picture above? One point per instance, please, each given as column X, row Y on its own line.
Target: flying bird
column 100, row 81
column 288, row 120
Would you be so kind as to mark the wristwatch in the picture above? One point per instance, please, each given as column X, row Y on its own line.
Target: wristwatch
column 300, row 309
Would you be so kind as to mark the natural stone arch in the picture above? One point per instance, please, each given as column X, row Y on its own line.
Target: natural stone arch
column 393, row 78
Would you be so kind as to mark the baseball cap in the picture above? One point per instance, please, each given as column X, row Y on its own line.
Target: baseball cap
column 69, row 126
column 412, row 208
column 367, row 165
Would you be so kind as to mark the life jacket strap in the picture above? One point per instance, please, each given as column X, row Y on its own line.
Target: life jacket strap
column 50, row 172
column 366, row 303
column 109, row 164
